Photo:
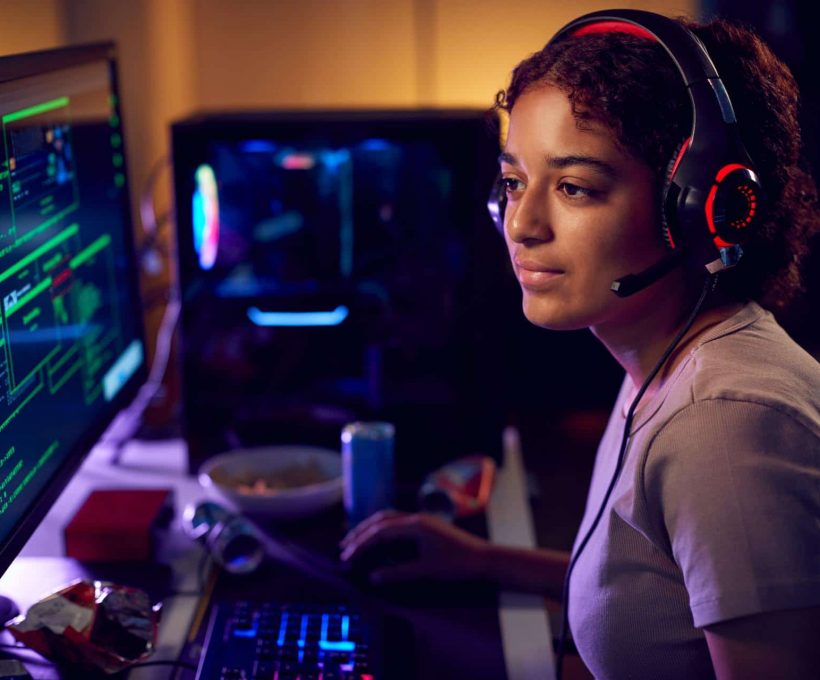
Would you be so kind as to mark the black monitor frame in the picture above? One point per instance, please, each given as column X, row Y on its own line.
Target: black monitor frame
column 16, row 67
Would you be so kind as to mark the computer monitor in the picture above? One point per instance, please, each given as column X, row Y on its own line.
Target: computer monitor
column 72, row 349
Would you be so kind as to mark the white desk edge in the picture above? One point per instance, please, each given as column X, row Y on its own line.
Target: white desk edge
column 525, row 628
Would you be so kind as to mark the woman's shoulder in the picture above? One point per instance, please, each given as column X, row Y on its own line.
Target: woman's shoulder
column 750, row 358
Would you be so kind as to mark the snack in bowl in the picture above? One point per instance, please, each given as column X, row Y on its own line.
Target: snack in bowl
column 290, row 477
column 275, row 482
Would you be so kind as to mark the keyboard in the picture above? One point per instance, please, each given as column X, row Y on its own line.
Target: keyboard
column 250, row 640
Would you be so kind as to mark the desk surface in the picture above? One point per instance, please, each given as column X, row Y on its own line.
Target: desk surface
column 525, row 633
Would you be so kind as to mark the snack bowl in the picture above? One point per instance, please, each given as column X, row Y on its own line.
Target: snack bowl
column 275, row 482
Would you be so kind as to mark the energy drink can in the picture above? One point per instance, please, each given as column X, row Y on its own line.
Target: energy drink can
column 367, row 468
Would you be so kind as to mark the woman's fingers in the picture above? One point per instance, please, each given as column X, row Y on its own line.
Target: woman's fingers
column 442, row 550
column 367, row 524
column 389, row 529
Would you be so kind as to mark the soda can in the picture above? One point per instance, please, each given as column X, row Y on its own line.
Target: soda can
column 232, row 540
column 367, row 468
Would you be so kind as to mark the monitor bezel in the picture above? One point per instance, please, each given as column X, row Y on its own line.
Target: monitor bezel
column 26, row 65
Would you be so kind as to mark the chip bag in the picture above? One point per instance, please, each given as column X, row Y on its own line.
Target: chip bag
column 91, row 624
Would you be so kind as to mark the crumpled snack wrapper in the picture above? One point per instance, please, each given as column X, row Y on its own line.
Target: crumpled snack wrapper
column 460, row 488
column 91, row 624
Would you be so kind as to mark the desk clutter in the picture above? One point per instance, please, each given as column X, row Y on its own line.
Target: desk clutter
column 90, row 626
column 457, row 490
column 100, row 625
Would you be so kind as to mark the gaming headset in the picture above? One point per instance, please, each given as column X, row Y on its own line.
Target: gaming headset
column 712, row 197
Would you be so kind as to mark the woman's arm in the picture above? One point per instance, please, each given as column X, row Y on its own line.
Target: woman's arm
column 782, row 644
column 447, row 552
column 528, row 570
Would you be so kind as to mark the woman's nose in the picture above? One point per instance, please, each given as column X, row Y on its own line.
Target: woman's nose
column 529, row 219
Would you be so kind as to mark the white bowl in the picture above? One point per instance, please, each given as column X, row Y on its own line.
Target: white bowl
column 311, row 480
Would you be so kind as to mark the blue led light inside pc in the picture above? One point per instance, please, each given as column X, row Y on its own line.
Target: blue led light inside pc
column 333, row 317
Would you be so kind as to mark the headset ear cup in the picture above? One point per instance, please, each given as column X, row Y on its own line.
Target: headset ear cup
column 669, row 216
column 497, row 204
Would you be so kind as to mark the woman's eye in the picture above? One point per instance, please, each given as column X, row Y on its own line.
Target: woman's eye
column 574, row 191
column 511, row 184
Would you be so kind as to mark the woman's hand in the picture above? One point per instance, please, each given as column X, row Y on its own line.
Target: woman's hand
column 444, row 551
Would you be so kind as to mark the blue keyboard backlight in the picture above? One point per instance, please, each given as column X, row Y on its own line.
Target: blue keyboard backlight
column 303, row 632
column 282, row 628
column 340, row 646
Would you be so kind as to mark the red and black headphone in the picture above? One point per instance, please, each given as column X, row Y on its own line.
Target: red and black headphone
column 712, row 196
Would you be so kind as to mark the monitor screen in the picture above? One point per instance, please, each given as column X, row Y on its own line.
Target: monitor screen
column 72, row 351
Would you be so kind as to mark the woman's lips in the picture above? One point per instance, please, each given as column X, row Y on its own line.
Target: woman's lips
column 535, row 276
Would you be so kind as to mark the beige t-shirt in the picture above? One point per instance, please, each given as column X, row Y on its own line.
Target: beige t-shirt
column 716, row 513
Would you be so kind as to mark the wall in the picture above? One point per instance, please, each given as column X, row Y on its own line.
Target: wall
column 182, row 55
column 31, row 25
column 373, row 52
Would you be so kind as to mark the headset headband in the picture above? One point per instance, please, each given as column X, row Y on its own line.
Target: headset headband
column 683, row 46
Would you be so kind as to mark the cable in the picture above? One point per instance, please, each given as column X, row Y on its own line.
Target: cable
column 151, row 251
column 708, row 285
column 11, row 650
column 204, row 562
column 148, row 216
column 49, row 662
column 128, row 421
column 143, row 664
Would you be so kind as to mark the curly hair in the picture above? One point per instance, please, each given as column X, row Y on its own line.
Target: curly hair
column 630, row 85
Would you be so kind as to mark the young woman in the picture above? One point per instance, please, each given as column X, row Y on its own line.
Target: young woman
column 699, row 552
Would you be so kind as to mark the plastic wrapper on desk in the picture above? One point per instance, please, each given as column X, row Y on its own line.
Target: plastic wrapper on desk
column 460, row 488
column 91, row 624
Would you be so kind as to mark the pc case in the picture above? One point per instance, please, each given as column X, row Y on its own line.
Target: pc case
column 338, row 266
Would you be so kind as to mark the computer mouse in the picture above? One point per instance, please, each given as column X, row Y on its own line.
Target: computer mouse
column 380, row 555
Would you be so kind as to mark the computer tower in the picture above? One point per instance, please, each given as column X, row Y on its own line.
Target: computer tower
column 338, row 266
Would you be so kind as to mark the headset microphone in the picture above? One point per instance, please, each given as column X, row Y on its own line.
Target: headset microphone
column 632, row 283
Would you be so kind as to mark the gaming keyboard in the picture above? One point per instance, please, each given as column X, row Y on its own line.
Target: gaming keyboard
column 271, row 641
